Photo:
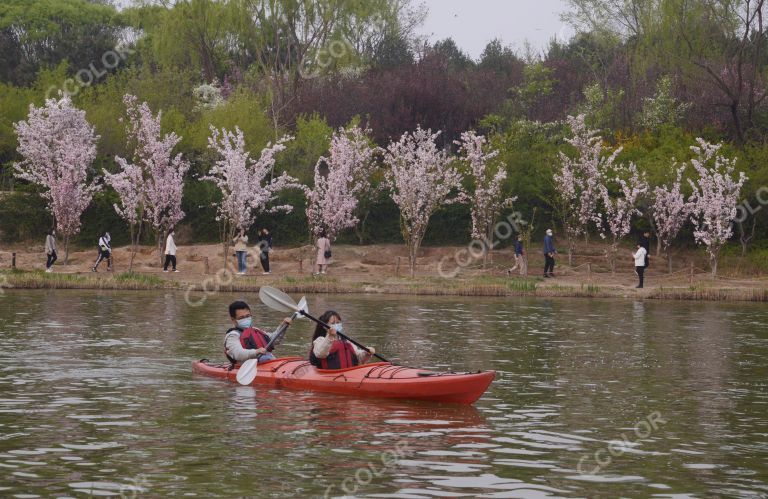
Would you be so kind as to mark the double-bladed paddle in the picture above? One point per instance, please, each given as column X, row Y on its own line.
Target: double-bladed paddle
column 277, row 300
column 247, row 372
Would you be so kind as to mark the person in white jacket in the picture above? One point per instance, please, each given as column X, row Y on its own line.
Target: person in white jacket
column 170, row 252
column 639, row 257
column 105, row 252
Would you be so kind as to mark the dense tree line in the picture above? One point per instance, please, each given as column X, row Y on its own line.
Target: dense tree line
column 650, row 74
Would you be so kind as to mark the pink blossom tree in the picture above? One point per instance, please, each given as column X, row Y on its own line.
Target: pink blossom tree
column 579, row 179
column 714, row 198
column 340, row 180
column 128, row 183
column 628, row 185
column 670, row 212
column 243, row 183
column 151, row 187
column 487, row 199
column 58, row 146
column 421, row 179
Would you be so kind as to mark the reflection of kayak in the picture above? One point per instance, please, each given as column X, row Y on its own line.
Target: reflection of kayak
column 380, row 379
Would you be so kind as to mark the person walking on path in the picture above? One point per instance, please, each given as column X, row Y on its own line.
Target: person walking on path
column 241, row 246
column 549, row 255
column 640, row 263
column 50, row 250
column 265, row 244
column 105, row 252
column 519, row 257
column 645, row 242
column 170, row 252
column 323, row 246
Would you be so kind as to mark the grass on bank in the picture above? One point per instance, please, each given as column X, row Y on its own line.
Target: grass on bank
column 38, row 279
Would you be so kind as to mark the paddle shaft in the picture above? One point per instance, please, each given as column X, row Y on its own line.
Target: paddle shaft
column 305, row 314
column 279, row 334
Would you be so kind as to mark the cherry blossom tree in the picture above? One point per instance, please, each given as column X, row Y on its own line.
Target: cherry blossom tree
column 670, row 212
column 58, row 145
column 128, row 183
column 714, row 198
column 340, row 180
column 487, row 199
column 151, row 187
column 617, row 211
column 421, row 179
column 578, row 182
column 243, row 183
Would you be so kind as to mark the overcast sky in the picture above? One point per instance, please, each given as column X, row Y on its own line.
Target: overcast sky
column 473, row 23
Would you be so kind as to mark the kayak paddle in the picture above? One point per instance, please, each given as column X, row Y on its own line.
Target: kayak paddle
column 276, row 299
column 247, row 372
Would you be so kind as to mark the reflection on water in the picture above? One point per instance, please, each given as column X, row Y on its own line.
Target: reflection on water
column 592, row 398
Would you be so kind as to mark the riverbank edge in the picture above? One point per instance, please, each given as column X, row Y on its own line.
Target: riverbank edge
column 427, row 286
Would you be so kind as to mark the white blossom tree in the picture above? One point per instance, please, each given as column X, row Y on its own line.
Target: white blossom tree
column 627, row 185
column 151, row 186
column 714, row 198
column 487, row 199
column 579, row 179
column 340, row 180
column 58, row 145
column 670, row 212
column 244, row 183
column 421, row 179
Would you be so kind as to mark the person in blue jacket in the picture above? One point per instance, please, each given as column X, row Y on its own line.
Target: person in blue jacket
column 549, row 255
column 519, row 257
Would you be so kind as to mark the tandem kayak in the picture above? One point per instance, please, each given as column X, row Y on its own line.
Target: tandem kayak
column 380, row 379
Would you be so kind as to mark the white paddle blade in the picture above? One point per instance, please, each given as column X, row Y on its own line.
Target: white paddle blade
column 247, row 372
column 303, row 307
column 277, row 300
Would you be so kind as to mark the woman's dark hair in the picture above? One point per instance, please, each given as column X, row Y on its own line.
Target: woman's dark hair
column 238, row 305
column 320, row 330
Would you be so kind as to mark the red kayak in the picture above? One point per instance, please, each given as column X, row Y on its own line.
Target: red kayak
column 380, row 379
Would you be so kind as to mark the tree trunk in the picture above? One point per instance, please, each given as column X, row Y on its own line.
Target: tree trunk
column 135, row 237
column 413, row 250
column 66, row 249
column 669, row 262
column 713, row 264
column 160, row 238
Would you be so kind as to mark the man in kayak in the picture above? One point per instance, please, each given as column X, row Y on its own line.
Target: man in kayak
column 243, row 341
column 329, row 351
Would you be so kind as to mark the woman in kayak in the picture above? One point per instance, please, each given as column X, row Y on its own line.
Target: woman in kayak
column 330, row 351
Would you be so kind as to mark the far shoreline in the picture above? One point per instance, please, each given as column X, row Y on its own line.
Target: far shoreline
column 383, row 269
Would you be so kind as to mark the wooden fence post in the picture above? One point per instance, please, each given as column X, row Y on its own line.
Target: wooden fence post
column 397, row 267
column 589, row 272
column 205, row 264
column 13, row 260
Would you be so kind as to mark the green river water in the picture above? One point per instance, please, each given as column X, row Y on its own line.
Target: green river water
column 592, row 398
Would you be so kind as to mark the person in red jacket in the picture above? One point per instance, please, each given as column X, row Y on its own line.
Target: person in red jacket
column 330, row 351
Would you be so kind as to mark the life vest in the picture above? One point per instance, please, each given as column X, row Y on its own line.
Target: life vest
column 250, row 339
column 341, row 356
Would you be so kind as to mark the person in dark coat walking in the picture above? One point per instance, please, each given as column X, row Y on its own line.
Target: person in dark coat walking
column 265, row 244
column 549, row 255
